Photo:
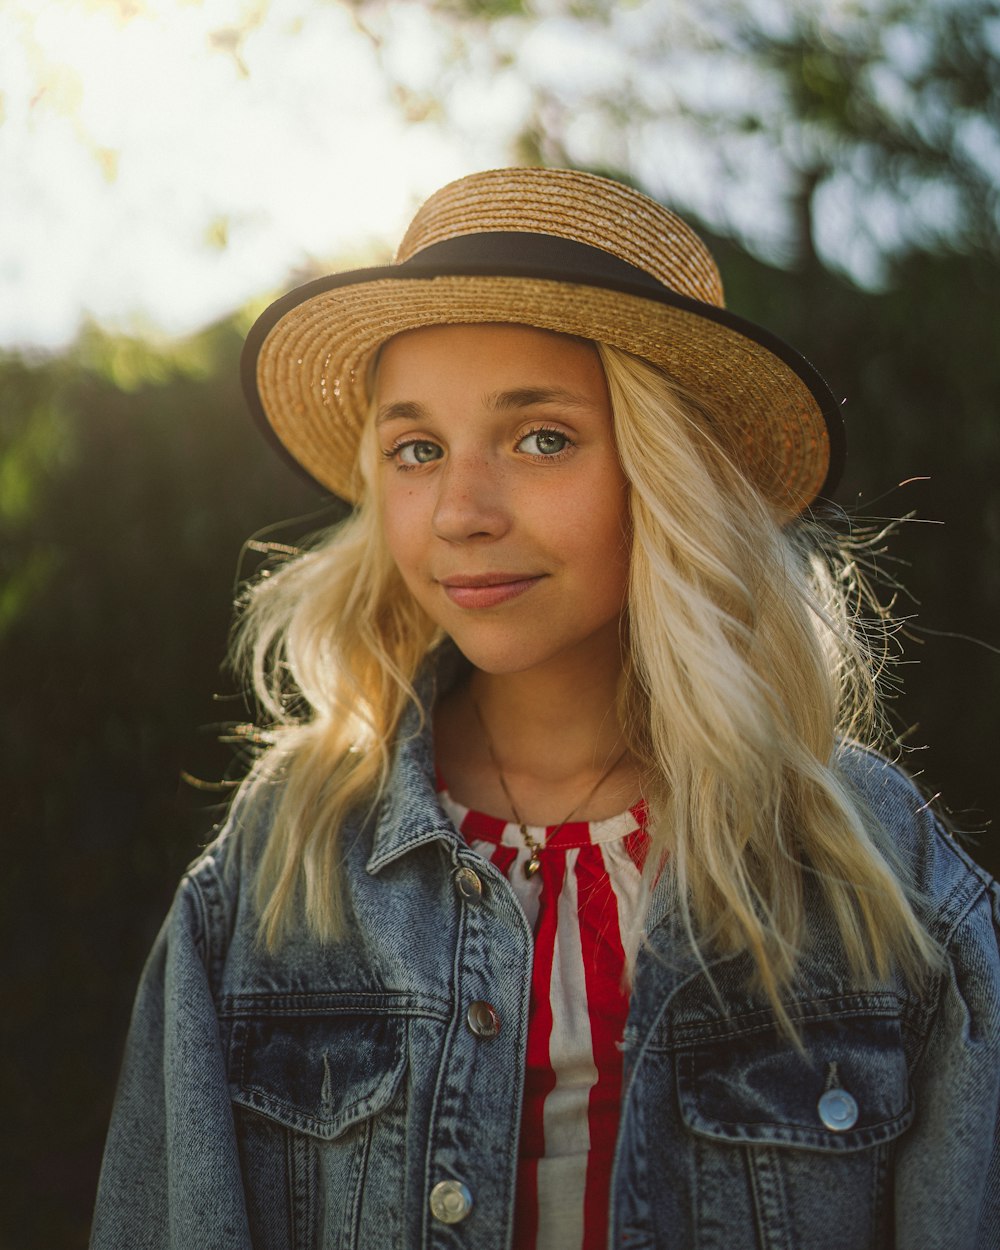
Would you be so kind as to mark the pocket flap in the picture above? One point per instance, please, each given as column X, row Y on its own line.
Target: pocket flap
column 318, row 1075
column 753, row 1086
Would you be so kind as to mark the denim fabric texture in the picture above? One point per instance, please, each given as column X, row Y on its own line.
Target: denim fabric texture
column 316, row 1097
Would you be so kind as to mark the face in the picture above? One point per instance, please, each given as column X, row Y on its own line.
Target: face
column 503, row 501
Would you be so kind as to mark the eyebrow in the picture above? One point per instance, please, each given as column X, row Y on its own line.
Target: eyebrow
column 496, row 401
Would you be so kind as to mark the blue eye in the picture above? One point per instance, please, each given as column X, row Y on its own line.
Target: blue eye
column 417, row 452
column 544, row 443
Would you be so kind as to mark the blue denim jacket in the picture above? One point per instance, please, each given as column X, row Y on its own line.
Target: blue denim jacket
column 336, row 1095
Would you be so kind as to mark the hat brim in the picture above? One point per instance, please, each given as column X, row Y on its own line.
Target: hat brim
column 306, row 363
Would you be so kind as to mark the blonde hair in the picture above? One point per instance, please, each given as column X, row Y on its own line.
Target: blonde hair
column 748, row 661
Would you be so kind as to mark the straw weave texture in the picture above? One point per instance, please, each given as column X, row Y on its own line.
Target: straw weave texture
column 571, row 205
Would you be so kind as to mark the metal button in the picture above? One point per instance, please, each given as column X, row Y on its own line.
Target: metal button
column 468, row 884
column 838, row 1110
column 483, row 1020
column 450, row 1202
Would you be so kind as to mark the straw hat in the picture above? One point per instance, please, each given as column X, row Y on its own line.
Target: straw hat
column 559, row 250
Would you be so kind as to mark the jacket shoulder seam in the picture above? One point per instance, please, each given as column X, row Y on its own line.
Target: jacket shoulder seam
column 205, row 882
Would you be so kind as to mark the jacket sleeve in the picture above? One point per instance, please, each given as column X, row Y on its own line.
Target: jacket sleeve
column 948, row 1168
column 171, row 1172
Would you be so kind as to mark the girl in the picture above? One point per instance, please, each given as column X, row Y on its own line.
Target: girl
column 568, row 905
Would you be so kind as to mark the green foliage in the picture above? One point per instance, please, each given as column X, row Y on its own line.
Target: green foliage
column 130, row 362
column 901, row 104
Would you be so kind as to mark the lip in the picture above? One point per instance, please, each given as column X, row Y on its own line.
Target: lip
column 486, row 590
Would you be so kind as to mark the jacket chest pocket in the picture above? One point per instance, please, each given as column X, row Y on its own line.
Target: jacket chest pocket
column 807, row 1136
column 320, row 1125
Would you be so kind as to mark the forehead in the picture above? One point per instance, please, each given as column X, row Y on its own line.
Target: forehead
column 514, row 354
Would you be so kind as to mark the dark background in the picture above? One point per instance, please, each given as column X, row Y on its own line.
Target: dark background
column 130, row 478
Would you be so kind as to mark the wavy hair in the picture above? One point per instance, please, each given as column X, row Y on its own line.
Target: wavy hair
column 750, row 656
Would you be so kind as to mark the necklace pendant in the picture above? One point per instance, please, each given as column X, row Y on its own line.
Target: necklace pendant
column 532, row 866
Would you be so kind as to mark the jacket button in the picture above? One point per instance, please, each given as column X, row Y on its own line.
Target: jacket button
column 838, row 1110
column 450, row 1202
column 482, row 1020
column 468, row 884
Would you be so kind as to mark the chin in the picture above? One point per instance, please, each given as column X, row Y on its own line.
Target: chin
column 498, row 661
column 506, row 653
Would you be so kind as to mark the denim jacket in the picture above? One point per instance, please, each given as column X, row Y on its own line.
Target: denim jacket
column 341, row 1096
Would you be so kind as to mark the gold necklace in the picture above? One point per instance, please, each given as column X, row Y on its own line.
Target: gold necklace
column 533, row 845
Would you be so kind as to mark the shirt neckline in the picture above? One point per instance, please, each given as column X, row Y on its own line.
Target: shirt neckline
column 573, row 834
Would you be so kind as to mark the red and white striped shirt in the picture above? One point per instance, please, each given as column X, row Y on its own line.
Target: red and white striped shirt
column 579, row 904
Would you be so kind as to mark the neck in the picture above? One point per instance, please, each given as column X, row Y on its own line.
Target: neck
column 554, row 732
column 550, row 726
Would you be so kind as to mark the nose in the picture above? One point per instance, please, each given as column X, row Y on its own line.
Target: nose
column 471, row 501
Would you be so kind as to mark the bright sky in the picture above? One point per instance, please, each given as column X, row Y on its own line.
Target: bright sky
column 133, row 147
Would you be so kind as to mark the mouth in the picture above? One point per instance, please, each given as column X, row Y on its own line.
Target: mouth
column 486, row 590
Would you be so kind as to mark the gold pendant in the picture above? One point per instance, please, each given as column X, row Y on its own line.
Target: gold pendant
column 532, row 866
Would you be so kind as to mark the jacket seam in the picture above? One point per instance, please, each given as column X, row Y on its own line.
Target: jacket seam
column 975, row 900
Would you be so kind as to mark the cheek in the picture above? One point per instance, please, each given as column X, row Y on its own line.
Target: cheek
column 604, row 540
column 401, row 525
